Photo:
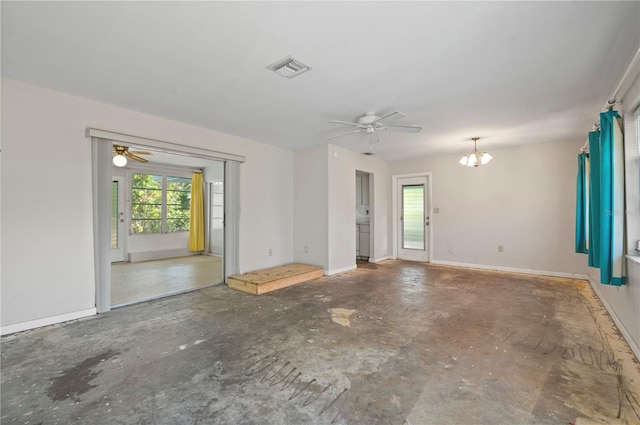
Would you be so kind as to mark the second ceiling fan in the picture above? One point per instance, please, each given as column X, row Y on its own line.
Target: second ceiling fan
column 371, row 123
column 124, row 151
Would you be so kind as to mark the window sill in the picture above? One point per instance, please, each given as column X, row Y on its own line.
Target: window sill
column 634, row 258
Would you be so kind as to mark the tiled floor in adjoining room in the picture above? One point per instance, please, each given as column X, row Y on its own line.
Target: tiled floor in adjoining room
column 132, row 282
column 390, row 343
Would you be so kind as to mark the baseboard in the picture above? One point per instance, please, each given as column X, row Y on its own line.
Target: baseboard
column 377, row 260
column 512, row 270
column 632, row 344
column 32, row 324
column 342, row 270
column 135, row 257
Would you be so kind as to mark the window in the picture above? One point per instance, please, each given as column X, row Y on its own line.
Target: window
column 413, row 217
column 159, row 203
column 114, row 215
column 178, row 203
column 638, row 128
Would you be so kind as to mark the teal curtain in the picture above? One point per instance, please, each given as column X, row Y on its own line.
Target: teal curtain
column 594, row 199
column 605, row 208
column 582, row 205
column 612, row 208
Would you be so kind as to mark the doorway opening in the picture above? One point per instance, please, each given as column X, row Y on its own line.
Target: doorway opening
column 143, row 230
column 151, row 211
column 364, row 208
column 412, row 215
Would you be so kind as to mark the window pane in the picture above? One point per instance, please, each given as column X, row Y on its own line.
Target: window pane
column 146, row 203
column 146, row 226
column 146, row 196
column 114, row 214
column 178, row 203
column 148, row 181
column 413, row 217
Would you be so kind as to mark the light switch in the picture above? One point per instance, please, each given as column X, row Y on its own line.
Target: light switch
column 436, row 210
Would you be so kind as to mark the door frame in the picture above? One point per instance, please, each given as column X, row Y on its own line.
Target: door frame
column 429, row 212
column 101, row 156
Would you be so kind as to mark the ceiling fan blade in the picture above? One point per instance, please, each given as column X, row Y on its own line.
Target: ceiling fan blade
column 136, row 157
column 347, row 123
column 389, row 118
column 140, row 153
column 344, row 134
column 403, row 129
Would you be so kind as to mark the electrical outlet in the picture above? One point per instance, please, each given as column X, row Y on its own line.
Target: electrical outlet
column 270, row 252
column 436, row 210
column 306, row 249
column 500, row 248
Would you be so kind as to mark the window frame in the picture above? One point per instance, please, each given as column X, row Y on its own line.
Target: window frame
column 164, row 173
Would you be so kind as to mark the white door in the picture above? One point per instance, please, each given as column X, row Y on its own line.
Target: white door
column 413, row 218
column 117, row 219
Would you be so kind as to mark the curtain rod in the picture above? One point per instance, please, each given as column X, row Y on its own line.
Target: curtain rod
column 613, row 99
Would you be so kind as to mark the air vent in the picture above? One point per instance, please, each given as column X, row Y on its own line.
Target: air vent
column 289, row 67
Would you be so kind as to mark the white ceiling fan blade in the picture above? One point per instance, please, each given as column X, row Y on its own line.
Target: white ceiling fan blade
column 389, row 118
column 403, row 129
column 347, row 123
column 344, row 134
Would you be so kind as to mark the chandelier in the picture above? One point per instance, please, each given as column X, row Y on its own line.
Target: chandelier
column 475, row 158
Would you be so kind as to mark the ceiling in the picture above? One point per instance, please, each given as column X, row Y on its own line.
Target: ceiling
column 511, row 73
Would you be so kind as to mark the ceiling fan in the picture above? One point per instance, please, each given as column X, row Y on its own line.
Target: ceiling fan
column 122, row 153
column 371, row 124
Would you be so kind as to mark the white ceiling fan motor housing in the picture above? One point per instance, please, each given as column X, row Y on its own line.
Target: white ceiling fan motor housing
column 368, row 118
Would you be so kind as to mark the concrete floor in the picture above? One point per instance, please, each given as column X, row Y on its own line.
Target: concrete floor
column 389, row 343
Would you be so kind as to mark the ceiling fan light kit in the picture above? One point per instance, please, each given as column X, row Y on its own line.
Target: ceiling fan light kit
column 475, row 157
column 119, row 160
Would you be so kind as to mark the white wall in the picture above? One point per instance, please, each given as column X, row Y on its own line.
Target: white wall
column 623, row 302
column 47, row 229
column 311, row 214
column 524, row 200
column 325, row 207
column 157, row 246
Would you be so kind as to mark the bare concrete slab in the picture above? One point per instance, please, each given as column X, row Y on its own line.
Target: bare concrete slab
column 391, row 343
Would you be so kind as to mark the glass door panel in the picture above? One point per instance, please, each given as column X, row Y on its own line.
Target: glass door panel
column 413, row 217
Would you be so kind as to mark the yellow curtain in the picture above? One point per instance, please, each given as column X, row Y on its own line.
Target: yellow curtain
column 196, row 225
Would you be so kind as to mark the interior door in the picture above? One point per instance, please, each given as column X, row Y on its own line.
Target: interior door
column 413, row 218
column 117, row 220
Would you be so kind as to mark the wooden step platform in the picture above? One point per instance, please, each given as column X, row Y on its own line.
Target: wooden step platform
column 267, row 280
